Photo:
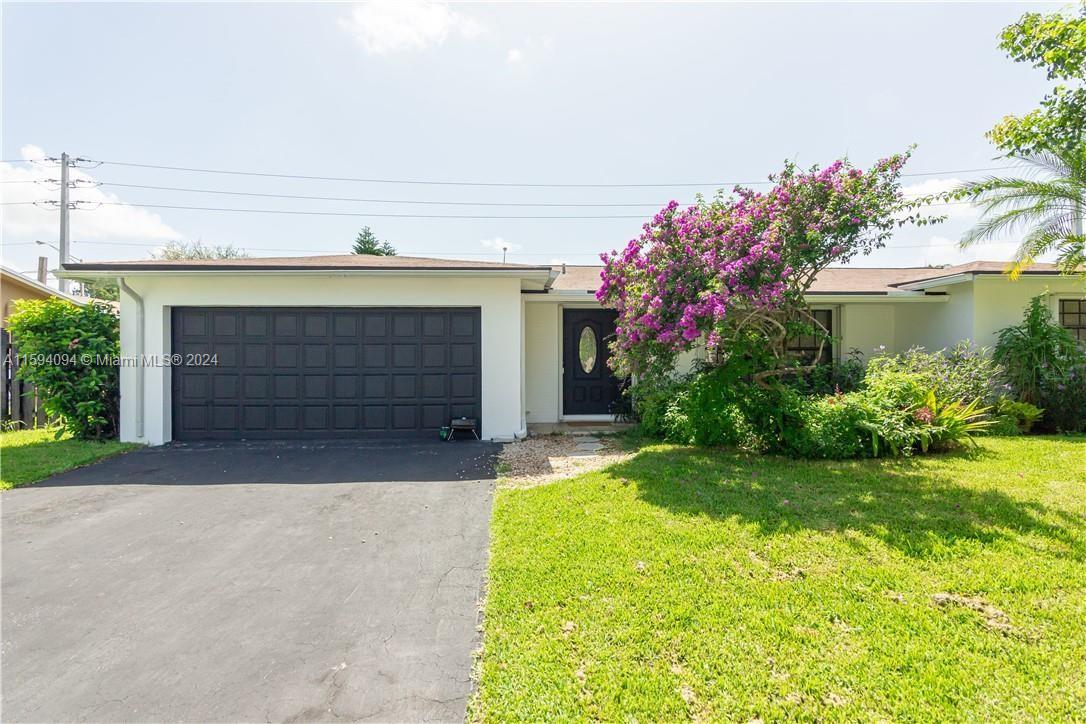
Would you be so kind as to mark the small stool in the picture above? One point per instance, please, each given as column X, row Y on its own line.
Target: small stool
column 462, row 423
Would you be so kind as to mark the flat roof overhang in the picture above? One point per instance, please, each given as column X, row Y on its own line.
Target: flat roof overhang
column 539, row 278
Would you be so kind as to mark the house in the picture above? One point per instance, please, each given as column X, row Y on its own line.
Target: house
column 14, row 287
column 353, row 346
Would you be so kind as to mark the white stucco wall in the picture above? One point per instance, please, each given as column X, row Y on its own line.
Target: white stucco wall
column 935, row 325
column 999, row 302
column 864, row 326
column 499, row 300
column 542, row 366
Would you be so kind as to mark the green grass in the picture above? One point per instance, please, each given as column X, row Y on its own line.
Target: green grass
column 692, row 583
column 27, row 456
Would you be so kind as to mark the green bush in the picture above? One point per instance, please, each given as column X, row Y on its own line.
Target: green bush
column 651, row 401
column 833, row 427
column 1038, row 353
column 1062, row 396
column 844, row 376
column 713, row 406
column 897, row 410
column 69, row 352
column 1013, row 417
column 963, row 372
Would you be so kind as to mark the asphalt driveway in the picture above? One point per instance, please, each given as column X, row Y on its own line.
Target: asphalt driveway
column 248, row 582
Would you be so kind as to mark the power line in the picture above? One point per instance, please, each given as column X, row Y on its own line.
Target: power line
column 374, row 201
column 888, row 247
column 507, row 184
column 295, row 212
column 353, row 213
column 647, row 204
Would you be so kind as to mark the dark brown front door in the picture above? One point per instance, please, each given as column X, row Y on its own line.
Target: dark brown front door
column 588, row 385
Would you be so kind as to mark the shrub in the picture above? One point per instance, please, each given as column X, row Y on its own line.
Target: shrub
column 651, row 401
column 963, row 372
column 892, row 397
column 1038, row 352
column 1013, row 417
column 832, row 379
column 719, row 406
column 1063, row 399
column 895, row 413
column 834, row 427
column 69, row 353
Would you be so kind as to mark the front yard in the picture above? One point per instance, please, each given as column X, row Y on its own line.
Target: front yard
column 27, row 456
column 705, row 584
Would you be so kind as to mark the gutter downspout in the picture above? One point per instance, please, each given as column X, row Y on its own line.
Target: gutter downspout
column 139, row 355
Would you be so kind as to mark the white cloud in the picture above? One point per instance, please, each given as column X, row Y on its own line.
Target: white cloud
column 500, row 244
column 514, row 56
column 389, row 26
column 955, row 210
column 106, row 222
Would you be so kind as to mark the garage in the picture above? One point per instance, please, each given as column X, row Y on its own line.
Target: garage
column 322, row 372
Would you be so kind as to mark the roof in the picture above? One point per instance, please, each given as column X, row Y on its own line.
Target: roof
column 361, row 262
column 568, row 278
column 837, row 280
column 9, row 276
column 577, row 278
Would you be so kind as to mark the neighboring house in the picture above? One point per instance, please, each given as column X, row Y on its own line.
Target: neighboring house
column 353, row 346
column 14, row 287
column 19, row 403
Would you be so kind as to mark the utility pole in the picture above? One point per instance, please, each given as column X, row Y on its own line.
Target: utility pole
column 43, row 269
column 64, row 240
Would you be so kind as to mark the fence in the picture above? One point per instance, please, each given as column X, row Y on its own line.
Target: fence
column 19, row 403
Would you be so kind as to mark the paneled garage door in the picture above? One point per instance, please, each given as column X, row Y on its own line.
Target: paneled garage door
column 286, row 372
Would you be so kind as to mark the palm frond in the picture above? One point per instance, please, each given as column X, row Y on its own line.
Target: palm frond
column 1050, row 209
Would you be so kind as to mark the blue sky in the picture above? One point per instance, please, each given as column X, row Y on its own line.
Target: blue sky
column 522, row 93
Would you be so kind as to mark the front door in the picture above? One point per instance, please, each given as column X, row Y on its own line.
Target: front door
column 588, row 385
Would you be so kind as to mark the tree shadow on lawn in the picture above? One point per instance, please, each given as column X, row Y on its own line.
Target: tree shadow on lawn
column 913, row 505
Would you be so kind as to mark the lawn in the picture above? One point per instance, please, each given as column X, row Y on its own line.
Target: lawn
column 27, row 456
column 703, row 584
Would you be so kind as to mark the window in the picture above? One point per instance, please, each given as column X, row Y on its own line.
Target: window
column 805, row 347
column 586, row 349
column 1073, row 317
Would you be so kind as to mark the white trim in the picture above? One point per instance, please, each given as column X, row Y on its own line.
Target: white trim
column 586, row 418
column 575, row 295
column 894, row 297
column 43, row 288
column 536, row 274
column 938, row 281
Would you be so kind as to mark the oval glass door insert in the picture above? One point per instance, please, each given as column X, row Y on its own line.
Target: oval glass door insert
column 586, row 349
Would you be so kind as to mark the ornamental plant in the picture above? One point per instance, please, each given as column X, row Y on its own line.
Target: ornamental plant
column 68, row 353
column 732, row 271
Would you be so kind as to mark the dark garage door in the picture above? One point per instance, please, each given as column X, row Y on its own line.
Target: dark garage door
column 286, row 372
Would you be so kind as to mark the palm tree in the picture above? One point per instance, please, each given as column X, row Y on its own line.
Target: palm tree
column 1048, row 205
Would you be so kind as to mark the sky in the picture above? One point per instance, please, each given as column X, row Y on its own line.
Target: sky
column 646, row 95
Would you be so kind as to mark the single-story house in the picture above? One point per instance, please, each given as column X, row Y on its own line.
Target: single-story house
column 358, row 346
column 15, row 287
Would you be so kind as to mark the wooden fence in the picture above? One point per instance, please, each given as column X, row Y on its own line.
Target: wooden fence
column 19, row 403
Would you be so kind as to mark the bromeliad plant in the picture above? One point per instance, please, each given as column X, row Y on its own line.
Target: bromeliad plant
column 733, row 271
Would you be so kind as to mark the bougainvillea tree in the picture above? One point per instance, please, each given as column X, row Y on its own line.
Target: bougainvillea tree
column 731, row 272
